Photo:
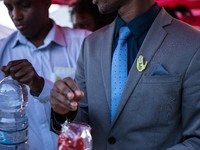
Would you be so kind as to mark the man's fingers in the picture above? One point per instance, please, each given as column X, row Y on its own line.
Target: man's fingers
column 64, row 89
column 3, row 70
column 13, row 66
column 65, row 96
column 60, row 103
column 77, row 93
column 58, row 97
column 58, row 107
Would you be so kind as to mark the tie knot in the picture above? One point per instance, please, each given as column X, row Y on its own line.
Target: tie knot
column 124, row 33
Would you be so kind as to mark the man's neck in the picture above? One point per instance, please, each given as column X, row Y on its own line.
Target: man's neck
column 134, row 9
column 38, row 39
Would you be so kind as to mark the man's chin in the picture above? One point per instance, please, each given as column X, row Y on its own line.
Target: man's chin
column 24, row 33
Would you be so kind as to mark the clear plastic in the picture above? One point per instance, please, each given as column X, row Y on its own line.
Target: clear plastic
column 13, row 119
column 75, row 136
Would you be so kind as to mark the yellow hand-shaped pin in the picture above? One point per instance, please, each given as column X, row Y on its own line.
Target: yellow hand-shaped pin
column 141, row 65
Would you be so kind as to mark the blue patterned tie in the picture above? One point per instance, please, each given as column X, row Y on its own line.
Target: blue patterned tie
column 119, row 69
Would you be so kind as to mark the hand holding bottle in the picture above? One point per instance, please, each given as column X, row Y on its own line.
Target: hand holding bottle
column 23, row 71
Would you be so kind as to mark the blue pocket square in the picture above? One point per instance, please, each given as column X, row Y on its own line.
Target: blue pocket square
column 158, row 69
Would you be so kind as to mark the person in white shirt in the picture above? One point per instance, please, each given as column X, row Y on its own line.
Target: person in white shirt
column 5, row 31
column 38, row 54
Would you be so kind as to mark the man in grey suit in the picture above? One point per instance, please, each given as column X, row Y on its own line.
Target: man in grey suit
column 159, row 108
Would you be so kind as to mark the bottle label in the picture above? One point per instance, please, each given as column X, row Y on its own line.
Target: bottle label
column 14, row 137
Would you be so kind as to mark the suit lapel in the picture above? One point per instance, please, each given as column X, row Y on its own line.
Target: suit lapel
column 106, row 55
column 151, row 43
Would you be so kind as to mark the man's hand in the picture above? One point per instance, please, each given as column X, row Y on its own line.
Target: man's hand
column 65, row 96
column 23, row 71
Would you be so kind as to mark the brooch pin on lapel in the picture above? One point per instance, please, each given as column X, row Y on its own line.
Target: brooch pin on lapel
column 141, row 63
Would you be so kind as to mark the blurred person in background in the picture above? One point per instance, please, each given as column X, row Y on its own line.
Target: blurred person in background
column 183, row 13
column 37, row 54
column 85, row 15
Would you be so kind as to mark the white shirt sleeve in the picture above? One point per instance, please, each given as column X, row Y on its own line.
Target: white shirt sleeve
column 44, row 96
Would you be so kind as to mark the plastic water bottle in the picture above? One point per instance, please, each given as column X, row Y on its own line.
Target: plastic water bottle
column 13, row 119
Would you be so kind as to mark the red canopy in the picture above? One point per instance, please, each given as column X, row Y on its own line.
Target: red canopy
column 169, row 3
column 173, row 3
column 63, row 2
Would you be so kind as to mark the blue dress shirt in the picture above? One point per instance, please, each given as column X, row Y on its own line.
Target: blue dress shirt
column 56, row 58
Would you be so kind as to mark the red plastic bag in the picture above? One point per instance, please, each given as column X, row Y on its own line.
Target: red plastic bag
column 75, row 136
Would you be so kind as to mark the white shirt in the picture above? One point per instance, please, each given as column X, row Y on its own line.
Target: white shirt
column 55, row 59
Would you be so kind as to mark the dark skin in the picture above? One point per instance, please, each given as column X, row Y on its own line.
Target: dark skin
column 23, row 71
column 31, row 19
column 65, row 96
column 83, row 21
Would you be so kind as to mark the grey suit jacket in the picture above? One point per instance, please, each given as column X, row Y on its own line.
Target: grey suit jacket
column 160, row 106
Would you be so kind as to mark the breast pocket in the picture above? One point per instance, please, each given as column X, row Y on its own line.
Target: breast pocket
column 161, row 97
column 160, row 79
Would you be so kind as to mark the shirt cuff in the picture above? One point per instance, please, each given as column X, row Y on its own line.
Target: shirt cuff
column 44, row 96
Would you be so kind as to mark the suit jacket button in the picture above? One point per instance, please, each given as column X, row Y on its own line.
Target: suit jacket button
column 111, row 140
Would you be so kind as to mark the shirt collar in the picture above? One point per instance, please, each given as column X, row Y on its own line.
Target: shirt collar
column 139, row 24
column 55, row 35
column 19, row 39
